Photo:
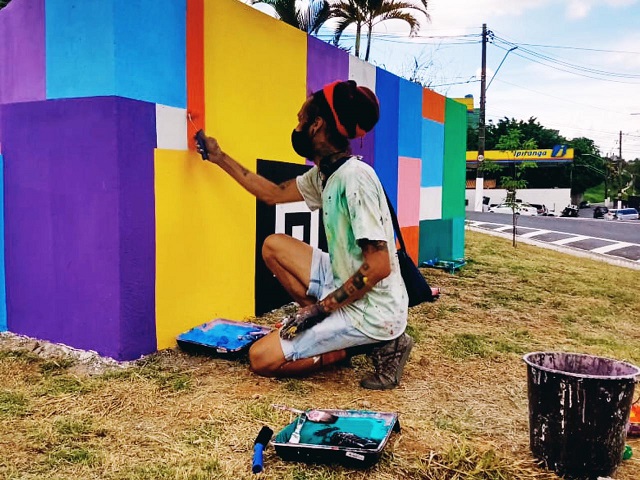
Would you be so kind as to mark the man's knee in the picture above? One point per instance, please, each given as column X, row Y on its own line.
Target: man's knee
column 262, row 359
column 272, row 246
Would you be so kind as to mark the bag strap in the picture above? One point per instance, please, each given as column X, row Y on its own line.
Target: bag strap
column 394, row 219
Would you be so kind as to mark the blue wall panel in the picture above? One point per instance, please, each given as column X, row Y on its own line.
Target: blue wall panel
column 386, row 139
column 410, row 120
column 432, row 153
column 3, row 288
column 152, row 67
column 129, row 49
column 80, row 48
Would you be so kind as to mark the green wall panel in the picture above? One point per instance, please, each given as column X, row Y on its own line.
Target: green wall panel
column 455, row 148
column 457, row 238
column 435, row 240
column 441, row 239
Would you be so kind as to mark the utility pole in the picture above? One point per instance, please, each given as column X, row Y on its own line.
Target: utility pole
column 620, row 146
column 481, row 125
column 619, row 205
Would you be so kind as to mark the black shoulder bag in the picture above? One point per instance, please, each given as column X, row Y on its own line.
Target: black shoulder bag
column 418, row 289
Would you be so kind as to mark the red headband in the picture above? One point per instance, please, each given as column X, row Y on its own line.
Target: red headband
column 328, row 93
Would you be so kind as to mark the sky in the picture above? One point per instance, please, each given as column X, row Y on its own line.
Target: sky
column 576, row 68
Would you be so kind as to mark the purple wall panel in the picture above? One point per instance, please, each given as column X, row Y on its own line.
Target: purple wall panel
column 22, row 52
column 136, row 144
column 325, row 63
column 366, row 146
column 70, row 213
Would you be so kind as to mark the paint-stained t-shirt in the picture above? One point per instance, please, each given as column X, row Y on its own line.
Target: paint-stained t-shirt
column 354, row 208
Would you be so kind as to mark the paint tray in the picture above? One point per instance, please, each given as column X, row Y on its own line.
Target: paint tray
column 221, row 337
column 315, row 438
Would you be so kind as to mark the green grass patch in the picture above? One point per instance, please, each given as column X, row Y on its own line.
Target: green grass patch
column 75, row 455
column 595, row 194
column 462, row 346
column 210, row 469
column 155, row 368
column 13, row 404
column 65, row 384
column 22, row 356
column 57, row 365
column 294, row 385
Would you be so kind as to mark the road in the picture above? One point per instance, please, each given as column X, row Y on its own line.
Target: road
column 611, row 238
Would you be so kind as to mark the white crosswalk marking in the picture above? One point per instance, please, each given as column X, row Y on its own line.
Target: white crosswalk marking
column 609, row 248
column 564, row 241
column 534, row 233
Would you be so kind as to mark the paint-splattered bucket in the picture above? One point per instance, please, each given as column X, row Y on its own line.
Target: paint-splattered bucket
column 579, row 406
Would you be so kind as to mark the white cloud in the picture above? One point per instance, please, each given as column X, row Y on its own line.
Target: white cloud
column 578, row 9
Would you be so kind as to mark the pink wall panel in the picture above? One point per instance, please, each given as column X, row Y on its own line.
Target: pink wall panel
column 409, row 174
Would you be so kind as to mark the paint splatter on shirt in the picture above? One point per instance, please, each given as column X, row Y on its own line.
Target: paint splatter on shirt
column 354, row 208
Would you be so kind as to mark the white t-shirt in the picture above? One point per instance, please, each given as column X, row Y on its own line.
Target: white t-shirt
column 354, row 208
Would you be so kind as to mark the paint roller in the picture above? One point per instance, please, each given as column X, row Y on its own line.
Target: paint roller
column 258, row 447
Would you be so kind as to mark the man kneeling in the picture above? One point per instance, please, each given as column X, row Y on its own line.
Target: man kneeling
column 352, row 299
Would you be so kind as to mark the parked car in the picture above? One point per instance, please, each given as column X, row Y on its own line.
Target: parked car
column 570, row 211
column 542, row 209
column 626, row 214
column 600, row 211
column 611, row 214
column 521, row 209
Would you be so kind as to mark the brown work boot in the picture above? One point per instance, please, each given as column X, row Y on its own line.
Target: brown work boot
column 389, row 360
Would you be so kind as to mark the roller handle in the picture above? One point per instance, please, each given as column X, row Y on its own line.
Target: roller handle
column 258, row 448
column 202, row 144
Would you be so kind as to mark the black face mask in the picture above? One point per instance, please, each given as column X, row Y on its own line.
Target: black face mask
column 301, row 142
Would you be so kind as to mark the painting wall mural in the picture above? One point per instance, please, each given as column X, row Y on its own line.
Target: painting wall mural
column 115, row 235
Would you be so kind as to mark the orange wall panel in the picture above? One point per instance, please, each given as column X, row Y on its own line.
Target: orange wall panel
column 411, row 237
column 433, row 105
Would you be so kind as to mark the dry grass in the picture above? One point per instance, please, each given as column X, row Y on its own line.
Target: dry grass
column 462, row 404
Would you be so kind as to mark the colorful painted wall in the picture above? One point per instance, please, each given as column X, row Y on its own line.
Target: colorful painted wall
column 117, row 236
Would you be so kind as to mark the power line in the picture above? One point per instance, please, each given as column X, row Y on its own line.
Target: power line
column 560, row 64
column 579, row 48
column 601, row 75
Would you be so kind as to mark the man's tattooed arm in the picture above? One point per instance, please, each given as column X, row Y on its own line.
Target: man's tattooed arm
column 374, row 268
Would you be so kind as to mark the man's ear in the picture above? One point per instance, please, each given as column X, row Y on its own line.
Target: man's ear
column 318, row 125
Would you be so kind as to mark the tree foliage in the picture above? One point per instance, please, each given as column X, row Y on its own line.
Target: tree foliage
column 366, row 14
column 513, row 139
column 4, row 3
column 309, row 18
column 586, row 171
column 531, row 129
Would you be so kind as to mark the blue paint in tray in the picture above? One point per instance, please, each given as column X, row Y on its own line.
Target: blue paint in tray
column 224, row 335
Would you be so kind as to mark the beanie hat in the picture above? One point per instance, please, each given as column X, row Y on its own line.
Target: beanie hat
column 355, row 109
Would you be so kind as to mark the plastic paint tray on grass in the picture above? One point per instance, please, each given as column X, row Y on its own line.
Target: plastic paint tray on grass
column 315, row 438
column 221, row 337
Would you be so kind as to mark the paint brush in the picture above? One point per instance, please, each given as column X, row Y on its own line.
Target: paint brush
column 317, row 416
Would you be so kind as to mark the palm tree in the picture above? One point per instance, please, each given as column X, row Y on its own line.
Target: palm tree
column 309, row 18
column 369, row 13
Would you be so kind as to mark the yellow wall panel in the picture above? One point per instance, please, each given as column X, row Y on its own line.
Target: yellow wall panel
column 204, row 248
column 255, row 81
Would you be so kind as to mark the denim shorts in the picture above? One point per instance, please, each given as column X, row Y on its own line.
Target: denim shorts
column 336, row 332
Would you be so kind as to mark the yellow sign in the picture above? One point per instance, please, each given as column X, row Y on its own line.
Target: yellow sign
column 559, row 153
